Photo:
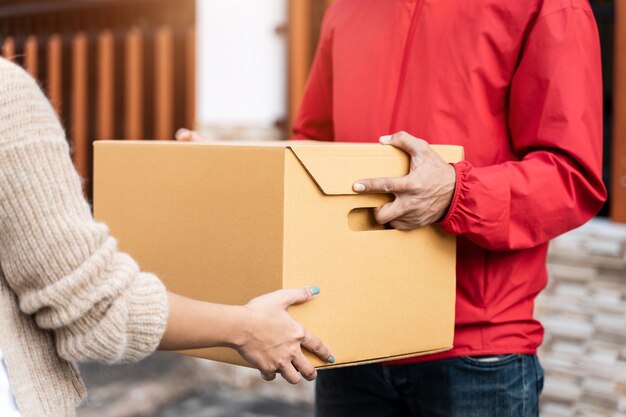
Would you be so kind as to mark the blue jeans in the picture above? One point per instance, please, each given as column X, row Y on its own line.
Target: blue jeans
column 494, row 386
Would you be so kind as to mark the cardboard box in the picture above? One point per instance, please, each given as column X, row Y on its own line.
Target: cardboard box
column 228, row 222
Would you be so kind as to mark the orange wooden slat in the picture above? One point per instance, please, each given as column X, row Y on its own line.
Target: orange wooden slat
column 106, row 83
column 190, row 78
column 133, row 89
column 299, row 53
column 164, row 83
column 618, row 188
column 8, row 48
column 79, row 104
column 55, row 73
column 31, row 58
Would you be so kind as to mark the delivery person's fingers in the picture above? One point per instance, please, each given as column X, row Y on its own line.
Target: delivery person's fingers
column 183, row 134
column 186, row 135
column 402, row 225
column 408, row 143
column 305, row 368
column 290, row 374
column 314, row 345
column 388, row 212
column 384, row 185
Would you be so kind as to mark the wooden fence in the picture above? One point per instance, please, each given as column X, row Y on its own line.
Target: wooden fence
column 111, row 71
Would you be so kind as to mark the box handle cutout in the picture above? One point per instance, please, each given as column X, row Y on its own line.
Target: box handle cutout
column 362, row 219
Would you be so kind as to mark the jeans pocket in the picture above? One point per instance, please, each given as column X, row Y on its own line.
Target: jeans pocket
column 490, row 361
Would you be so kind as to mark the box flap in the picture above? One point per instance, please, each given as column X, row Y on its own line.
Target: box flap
column 335, row 167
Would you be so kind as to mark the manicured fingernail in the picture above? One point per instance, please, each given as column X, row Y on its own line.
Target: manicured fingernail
column 358, row 187
column 314, row 290
column 385, row 140
column 331, row 359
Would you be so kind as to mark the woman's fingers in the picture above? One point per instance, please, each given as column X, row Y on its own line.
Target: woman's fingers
column 304, row 367
column 295, row 296
column 290, row 373
column 268, row 376
column 317, row 347
column 308, row 340
column 287, row 297
column 279, row 339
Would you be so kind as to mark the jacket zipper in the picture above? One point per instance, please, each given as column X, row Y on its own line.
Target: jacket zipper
column 403, row 68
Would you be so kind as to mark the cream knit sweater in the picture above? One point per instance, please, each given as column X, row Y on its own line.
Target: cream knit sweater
column 66, row 293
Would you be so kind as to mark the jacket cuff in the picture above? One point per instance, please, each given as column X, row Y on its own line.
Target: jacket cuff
column 451, row 219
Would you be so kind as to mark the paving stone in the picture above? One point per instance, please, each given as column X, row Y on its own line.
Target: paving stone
column 166, row 385
column 584, row 312
column 222, row 401
column 214, row 401
column 555, row 409
column 567, row 273
column 604, row 247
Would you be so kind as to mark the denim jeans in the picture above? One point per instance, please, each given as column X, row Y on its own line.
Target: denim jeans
column 494, row 386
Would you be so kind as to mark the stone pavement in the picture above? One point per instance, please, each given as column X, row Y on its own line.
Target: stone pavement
column 583, row 310
column 217, row 400
column 584, row 354
column 169, row 385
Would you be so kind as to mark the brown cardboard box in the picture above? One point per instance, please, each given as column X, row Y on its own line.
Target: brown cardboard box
column 228, row 222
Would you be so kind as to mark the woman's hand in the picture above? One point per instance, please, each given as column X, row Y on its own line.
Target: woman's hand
column 261, row 331
column 272, row 340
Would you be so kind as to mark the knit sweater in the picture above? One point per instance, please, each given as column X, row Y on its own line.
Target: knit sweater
column 66, row 293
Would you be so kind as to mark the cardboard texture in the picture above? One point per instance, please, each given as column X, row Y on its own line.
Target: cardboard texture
column 228, row 222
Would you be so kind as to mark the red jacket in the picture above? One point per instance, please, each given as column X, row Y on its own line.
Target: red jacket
column 518, row 84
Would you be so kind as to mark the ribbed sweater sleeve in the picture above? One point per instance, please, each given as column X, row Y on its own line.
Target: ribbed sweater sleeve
column 63, row 266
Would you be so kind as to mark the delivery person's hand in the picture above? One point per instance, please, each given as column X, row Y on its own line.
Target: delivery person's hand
column 186, row 135
column 423, row 196
column 273, row 339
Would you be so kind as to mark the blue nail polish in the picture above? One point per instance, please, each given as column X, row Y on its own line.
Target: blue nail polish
column 314, row 290
column 331, row 359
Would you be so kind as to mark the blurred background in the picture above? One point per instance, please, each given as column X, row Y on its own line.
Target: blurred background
column 236, row 69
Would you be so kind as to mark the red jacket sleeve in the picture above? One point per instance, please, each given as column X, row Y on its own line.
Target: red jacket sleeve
column 315, row 118
column 555, row 122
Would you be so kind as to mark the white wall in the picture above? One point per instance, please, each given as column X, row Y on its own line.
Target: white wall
column 242, row 74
